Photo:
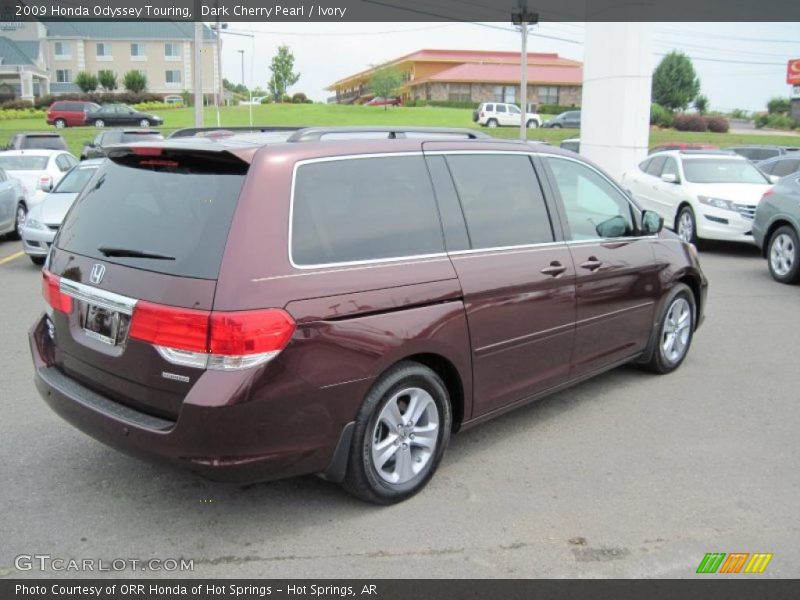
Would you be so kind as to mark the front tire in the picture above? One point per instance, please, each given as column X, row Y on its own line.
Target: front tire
column 37, row 260
column 686, row 225
column 60, row 123
column 783, row 255
column 401, row 433
column 144, row 123
column 674, row 331
column 556, row 126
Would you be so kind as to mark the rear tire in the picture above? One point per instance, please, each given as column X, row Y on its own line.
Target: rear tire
column 533, row 124
column 783, row 255
column 492, row 123
column 673, row 331
column 19, row 220
column 401, row 433
column 99, row 123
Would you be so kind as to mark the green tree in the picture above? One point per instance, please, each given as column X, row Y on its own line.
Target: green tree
column 135, row 81
column 283, row 74
column 675, row 83
column 777, row 106
column 108, row 79
column 385, row 83
column 86, row 81
column 701, row 104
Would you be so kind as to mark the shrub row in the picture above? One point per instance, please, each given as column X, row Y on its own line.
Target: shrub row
column 7, row 114
column 776, row 121
column 101, row 98
column 696, row 122
column 660, row 116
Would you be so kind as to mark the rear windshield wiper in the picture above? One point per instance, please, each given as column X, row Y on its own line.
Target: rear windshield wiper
column 127, row 252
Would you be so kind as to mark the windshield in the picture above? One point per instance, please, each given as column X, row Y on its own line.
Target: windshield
column 44, row 142
column 23, row 163
column 716, row 170
column 179, row 205
column 75, row 180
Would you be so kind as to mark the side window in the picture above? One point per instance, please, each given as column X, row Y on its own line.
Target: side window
column 505, row 209
column 501, row 108
column 71, row 160
column 655, row 166
column 781, row 168
column 594, row 208
column 364, row 209
column 671, row 168
column 644, row 164
column 513, row 110
column 62, row 163
column 490, row 108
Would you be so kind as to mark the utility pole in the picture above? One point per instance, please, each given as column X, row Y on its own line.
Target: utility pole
column 523, row 18
column 241, row 52
column 220, row 92
column 198, row 74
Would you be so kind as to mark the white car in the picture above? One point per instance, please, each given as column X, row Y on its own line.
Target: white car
column 701, row 194
column 38, row 171
column 498, row 114
column 45, row 218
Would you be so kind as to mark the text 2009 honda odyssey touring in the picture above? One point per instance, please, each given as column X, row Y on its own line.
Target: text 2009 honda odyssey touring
column 256, row 306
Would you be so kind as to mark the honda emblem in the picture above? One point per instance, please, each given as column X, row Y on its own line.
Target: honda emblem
column 96, row 276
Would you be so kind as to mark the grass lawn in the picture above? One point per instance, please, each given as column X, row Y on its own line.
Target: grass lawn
column 332, row 114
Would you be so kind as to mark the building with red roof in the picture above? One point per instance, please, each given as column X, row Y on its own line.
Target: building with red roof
column 472, row 76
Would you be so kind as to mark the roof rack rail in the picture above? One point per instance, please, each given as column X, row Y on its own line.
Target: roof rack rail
column 312, row 134
column 206, row 131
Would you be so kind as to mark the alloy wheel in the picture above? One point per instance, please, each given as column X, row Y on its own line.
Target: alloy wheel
column 405, row 436
column 782, row 254
column 686, row 226
column 21, row 216
column 677, row 330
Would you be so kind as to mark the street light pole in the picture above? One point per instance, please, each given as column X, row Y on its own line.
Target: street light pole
column 242, row 53
column 198, row 74
column 523, row 18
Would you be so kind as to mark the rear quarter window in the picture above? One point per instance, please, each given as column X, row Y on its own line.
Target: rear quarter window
column 363, row 209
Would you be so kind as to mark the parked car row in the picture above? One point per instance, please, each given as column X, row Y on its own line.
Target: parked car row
column 69, row 113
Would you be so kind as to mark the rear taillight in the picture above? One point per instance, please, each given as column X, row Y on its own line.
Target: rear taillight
column 45, row 182
column 51, row 290
column 213, row 340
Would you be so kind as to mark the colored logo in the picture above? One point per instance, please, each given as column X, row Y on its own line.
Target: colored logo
column 793, row 72
column 735, row 562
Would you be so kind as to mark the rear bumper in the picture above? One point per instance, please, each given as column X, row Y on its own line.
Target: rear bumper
column 241, row 442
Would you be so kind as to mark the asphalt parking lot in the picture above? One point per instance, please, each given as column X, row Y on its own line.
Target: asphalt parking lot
column 627, row 475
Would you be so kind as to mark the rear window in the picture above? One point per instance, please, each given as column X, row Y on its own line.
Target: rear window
column 178, row 206
column 364, row 209
column 43, row 142
column 758, row 153
column 23, row 163
column 713, row 170
column 655, row 166
column 135, row 136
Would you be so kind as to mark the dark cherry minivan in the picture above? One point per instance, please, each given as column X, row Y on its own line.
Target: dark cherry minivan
column 340, row 301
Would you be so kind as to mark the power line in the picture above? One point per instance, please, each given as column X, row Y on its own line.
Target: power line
column 727, row 37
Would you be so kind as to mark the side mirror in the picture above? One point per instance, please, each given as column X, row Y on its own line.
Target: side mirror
column 90, row 144
column 46, row 184
column 670, row 178
column 651, row 222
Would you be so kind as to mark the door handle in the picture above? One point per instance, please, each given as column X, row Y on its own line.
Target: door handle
column 592, row 264
column 555, row 269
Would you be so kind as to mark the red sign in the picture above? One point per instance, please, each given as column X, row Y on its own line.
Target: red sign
column 793, row 72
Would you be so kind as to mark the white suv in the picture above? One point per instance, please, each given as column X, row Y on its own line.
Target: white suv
column 497, row 114
column 700, row 193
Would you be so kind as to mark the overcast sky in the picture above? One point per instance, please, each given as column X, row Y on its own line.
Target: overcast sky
column 741, row 65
